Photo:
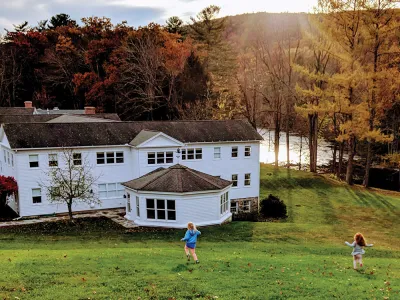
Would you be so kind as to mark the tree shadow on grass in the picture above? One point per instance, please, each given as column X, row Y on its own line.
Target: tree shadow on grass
column 372, row 200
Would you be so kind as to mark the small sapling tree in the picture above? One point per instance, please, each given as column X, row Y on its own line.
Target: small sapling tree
column 70, row 180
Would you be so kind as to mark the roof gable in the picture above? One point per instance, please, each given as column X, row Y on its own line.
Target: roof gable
column 154, row 139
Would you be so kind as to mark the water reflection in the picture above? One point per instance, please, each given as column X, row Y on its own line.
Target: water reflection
column 297, row 145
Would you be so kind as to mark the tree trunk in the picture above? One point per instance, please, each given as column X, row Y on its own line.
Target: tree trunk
column 313, row 141
column 300, row 150
column 287, row 140
column 335, row 146
column 69, row 204
column 276, row 139
column 352, row 152
column 368, row 166
column 340, row 163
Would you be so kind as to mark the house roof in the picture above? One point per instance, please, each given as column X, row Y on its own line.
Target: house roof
column 40, row 111
column 77, row 118
column 16, row 111
column 177, row 179
column 42, row 135
column 46, row 118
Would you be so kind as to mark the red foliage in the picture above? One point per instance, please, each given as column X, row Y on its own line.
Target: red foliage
column 8, row 185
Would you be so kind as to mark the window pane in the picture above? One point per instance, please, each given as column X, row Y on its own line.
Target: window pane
column 160, row 157
column 151, row 214
column 234, row 151
column 36, row 192
column 110, row 158
column 190, row 154
column 150, row 203
column 199, row 153
column 247, row 151
column 171, row 204
column 100, row 158
column 31, row 157
column 103, row 194
column 171, row 215
column 37, row 199
column 34, row 164
column 169, row 157
column 184, row 154
column 151, row 158
column 120, row 157
column 161, row 214
column 102, row 187
column 247, row 176
column 161, row 204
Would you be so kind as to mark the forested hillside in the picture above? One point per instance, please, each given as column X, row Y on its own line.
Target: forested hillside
column 332, row 74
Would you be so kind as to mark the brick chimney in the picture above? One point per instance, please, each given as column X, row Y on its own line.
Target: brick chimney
column 90, row 110
column 28, row 104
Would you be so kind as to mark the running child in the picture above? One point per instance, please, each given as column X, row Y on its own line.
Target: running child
column 191, row 238
column 358, row 251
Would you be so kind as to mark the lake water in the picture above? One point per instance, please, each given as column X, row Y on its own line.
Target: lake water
column 267, row 155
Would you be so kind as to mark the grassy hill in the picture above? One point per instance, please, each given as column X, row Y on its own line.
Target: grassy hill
column 303, row 257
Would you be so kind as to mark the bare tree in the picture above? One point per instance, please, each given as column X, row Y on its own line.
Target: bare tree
column 142, row 76
column 70, row 180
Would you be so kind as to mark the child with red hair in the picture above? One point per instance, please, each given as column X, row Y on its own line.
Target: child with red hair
column 358, row 251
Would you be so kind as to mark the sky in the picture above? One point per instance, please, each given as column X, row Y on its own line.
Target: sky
column 136, row 12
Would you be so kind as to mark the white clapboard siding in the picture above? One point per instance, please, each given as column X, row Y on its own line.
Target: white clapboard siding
column 202, row 209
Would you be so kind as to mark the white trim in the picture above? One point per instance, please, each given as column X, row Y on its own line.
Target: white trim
column 174, row 225
column 178, row 194
column 130, row 146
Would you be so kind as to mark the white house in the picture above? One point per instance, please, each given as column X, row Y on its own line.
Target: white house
column 120, row 152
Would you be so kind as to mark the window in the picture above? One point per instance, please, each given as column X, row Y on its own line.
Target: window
column 247, row 151
column 8, row 158
column 128, row 202
column 77, row 159
column 217, row 152
column 246, row 206
column 36, row 196
column 162, row 158
column 5, row 157
column 119, row 157
column 34, row 161
column 53, row 161
column 151, row 158
column 110, row 190
column 137, row 207
column 234, row 207
column 234, row 151
column 160, row 209
column 192, row 154
column 110, row 158
column 234, row 180
column 12, row 160
column 224, row 207
column 247, row 178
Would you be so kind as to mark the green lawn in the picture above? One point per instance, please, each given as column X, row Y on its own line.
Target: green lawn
column 303, row 257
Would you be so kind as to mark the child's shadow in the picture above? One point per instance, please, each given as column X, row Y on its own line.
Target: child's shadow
column 180, row 268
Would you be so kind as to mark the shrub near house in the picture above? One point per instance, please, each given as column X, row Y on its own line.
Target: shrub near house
column 8, row 187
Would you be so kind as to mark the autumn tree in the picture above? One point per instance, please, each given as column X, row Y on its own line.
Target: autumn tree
column 313, row 73
column 380, row 22
column 207, row 30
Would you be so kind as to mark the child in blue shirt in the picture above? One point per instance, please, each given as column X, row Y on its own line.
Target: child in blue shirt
column 358, row 251
column 191, row 238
